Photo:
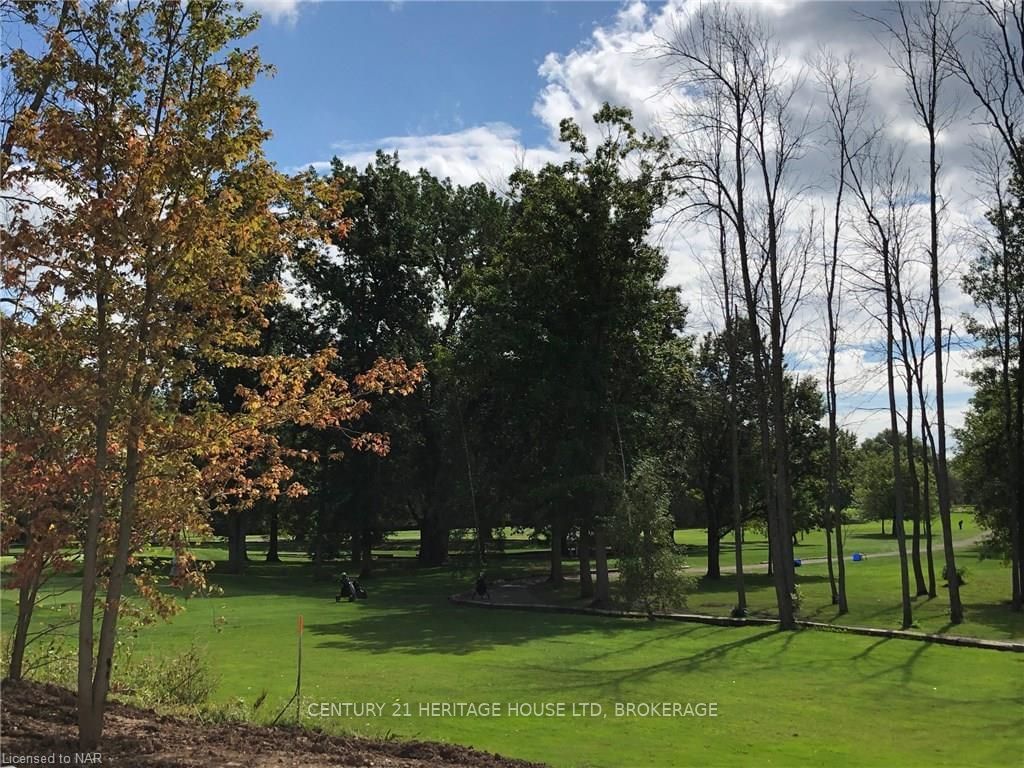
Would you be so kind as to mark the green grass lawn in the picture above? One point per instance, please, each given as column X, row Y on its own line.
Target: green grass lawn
column 866, row 538
column 783, row 699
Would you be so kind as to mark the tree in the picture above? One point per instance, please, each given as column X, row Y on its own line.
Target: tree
column 723, row 472
column 923, row 50
column 45, row 461
column 165, row 210
column 882, row 189
column 643, row 538
column 844, row 95
column 993, row 70
column 398, row 284
column 567, row 319
column 728, row 61
column 995, row 280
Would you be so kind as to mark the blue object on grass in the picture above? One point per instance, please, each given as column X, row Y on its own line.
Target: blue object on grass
column 857, row 557
column 797, row 563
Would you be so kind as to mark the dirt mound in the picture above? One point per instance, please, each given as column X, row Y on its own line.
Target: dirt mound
column 39, row 720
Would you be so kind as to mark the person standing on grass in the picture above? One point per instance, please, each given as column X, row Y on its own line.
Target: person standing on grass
column 481, row 587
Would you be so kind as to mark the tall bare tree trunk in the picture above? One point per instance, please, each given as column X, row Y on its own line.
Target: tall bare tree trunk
column 908, row 356
column 828, row 557
column 897, row 472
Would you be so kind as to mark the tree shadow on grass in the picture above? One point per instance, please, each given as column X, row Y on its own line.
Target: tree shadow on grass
column 752, row 581
column 439, row 627
column 996, row 616
column 612, row 682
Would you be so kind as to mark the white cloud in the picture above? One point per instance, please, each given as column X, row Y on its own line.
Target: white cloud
column 486, row 153
column 616, row 64
column 277, row 11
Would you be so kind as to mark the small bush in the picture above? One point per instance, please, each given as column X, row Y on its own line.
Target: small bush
column 235, row 711
column 961, row 573
column 185, row 680
column 797, row 597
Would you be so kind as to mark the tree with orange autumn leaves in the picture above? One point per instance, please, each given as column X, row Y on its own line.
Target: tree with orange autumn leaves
column 138, row 206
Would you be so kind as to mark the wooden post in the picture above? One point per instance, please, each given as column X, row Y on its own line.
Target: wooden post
column 298, row 678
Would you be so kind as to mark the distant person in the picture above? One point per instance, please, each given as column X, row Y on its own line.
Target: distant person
column 961, row 525
column 481, row 587
column 348, row 589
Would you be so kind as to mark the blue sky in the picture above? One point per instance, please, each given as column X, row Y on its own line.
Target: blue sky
column 353, row 72
column 469, row 90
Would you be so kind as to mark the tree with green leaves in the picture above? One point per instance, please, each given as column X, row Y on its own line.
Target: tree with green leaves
column 642, row 534
column 568, row 323
column 399, row 283
column 162, row 209
column 992, row 439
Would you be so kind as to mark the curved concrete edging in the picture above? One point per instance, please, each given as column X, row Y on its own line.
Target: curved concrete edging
column 729, row 621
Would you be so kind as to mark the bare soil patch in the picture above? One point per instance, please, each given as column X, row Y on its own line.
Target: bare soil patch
column 39, row 719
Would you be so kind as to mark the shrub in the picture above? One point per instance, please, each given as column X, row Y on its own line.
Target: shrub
column 642, row 529
column 961, row 573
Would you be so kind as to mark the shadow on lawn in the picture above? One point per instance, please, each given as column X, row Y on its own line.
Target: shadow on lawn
column 612, row 682
column 439, row 627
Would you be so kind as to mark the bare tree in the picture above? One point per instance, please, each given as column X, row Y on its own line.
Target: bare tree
column 921, row 45
column 882, row 189
column 917, row 318
column 728, row 62
column 902, row 285
column 993, row 69
column 843, row 89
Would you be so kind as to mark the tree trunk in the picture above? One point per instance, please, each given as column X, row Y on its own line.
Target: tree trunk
column 1017, row 547
column 357, row 548
column 272, row 553
column 433, row 540
column 734, row 440
column 555, row 576
column 26, row 603
column 91, row 719
column 841, row 564
column 366, row 561
column 583, row 553
column 921, row 584
column 831, row 569
column 602, row 590
column 926, row 501
column 897, row 471
column 915, row 491
column 919, row 580
column 237, row 555
column 714, row 550
column 956, row 611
